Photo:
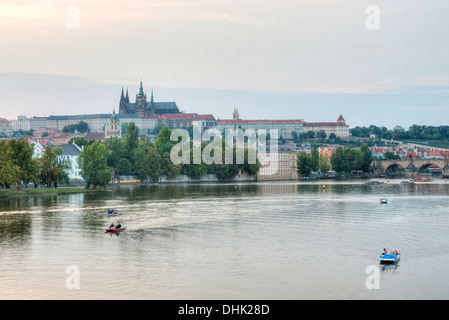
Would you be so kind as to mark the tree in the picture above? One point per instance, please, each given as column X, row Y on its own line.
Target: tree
column 338, row 161
column 93, row 163
column 304, row 163
column 195, row 169
column 250, row 168
column 141, row 164
column 158, row 128
column 123, row 167
column 163, row 143
column 310, row 135
column 80, row 127
column 22, row 152
column 80, row 141
column 321, row 134
column 324, row 163
column 131, row 141
column 49, row 169
column 366, row 158
column 64, row 165
column 9, row 170
column 154, row 164
column 315, row 158
column 168, row 168
column 415, row 131
column 388, row 155
column 115, row 151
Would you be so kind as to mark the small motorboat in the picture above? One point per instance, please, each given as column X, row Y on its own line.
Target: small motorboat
column 390, row 258
column 383, row 200
column 112, row 212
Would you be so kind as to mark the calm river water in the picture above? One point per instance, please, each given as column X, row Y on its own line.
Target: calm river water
column 274, row 240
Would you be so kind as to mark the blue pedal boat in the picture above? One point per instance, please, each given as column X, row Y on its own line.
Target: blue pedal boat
column 390, row 258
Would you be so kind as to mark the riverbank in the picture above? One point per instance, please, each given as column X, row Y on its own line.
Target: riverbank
column 33, row 192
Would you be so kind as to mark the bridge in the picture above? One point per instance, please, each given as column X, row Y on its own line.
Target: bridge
column 411, row 167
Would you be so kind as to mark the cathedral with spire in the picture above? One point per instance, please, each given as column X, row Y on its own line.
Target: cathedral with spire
column 142, row 107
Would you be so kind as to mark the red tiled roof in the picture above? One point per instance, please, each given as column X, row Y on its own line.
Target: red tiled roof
column 175, row 116
column 155, row 116
column 340, row 118
column 206, row 117
column 247, row 121
column 94, row 136
column 324, row 124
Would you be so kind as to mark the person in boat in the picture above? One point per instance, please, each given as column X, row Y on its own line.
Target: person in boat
column 111, row 226
column 118, row 226
column 384, row 251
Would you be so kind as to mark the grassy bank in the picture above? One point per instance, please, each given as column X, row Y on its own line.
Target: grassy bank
column 32, row 192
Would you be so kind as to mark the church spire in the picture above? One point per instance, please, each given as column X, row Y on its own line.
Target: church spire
column 235, row 114
column 127, row 96
column 152, row 99
column 122, row 103
column 141, row 93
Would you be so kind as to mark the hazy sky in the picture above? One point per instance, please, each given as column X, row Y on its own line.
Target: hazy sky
column 306, row 59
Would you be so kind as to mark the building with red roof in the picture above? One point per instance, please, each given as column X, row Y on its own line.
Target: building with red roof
column 286, row 129
column 339, row 128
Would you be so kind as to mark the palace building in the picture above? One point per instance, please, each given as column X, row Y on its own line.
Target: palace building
column 142, row 107
column 339, row 128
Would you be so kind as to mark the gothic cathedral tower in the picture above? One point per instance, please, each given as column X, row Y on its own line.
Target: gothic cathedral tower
column 141, row 101
column 235, row 114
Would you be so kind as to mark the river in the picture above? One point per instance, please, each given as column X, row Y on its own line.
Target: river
column 267, row 240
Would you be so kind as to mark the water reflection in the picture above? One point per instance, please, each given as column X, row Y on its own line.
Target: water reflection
column 15, row 228
column 218, row 241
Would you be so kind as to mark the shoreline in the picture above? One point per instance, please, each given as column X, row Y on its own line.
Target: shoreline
column 33, row 192
column 42, row 191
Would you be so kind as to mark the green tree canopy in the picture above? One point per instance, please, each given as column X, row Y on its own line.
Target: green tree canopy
column 9, row 170
column 22, row 152
column 304, row 163
column 49, row 169
column 93, row 163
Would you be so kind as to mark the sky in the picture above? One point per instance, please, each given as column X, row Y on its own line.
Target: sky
column 375, row 62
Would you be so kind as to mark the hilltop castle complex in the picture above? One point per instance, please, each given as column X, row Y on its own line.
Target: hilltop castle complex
column 147, row 114
column 142, row 107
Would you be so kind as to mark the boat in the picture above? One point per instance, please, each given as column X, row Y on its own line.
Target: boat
column 390, row 258
column 112, row 212
column 115, row 230
column 383, row 200
column 422, row 178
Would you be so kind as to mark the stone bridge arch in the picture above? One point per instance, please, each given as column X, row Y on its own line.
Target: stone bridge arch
column 411, row 167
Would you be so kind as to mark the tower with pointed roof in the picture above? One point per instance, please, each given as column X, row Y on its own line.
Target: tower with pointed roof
column 141, row 101
column 142, row 107
column 113, row 128
column 122, row 104
column 341, row 120
column 235, row 114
